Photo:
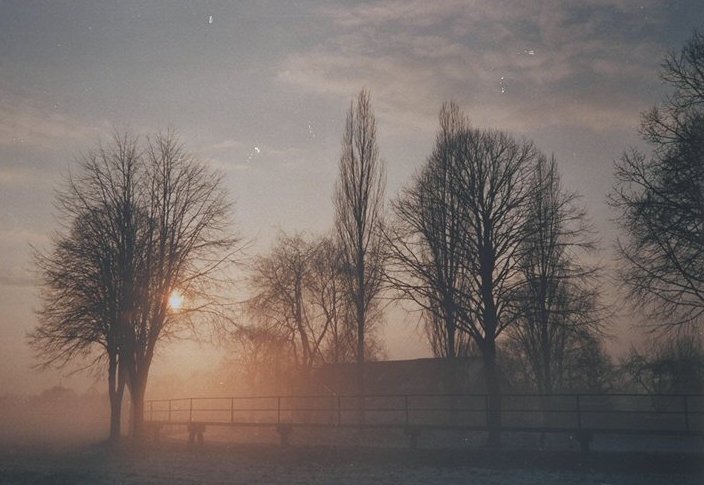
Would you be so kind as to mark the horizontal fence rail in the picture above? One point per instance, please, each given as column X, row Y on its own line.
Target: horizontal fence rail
column 681, row 414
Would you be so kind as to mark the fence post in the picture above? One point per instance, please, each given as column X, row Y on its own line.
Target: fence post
column 584, row 437
column 405, row 403
column 232, row 409
column 169, row 411
column 686, row 413
column 278, row 410
column 486, row 408
column 190, row 412
column 339, row 410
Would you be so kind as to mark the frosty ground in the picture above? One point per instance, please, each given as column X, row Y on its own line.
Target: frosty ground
column 57, row 451
column 172, row 461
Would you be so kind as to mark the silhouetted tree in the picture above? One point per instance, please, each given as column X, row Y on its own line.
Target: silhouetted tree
column 281, row 301
column 660, row 198
column 588, row 368
column 460, row 237
column 326, row 288
column 494, row 180
column 556, row 304
column 186, row 245
column 145, row 221
column 426, row 242
column 672, row 365
column 87, row 276
column 585, row 367
column 358, row 201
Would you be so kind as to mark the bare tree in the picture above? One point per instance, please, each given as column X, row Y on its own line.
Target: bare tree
column 669, row 365
column 299, row 304
column 281, row 302
column 589, row 367
column 556, row 303
column 145, row 222
column 493, row 180
column 186, row 245
column 684, row 72
column 660, row 198
column 326, row 290
column 86, row 278
column 358, row 200
column 459, row 238
column 426, row 242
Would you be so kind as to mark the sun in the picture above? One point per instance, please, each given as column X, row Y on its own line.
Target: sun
column 175, row 300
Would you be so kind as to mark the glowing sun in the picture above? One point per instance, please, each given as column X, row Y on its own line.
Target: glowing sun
column 175, row 300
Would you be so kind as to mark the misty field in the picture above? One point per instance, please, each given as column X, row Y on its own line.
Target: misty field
column 217, row 463
column 59, row 441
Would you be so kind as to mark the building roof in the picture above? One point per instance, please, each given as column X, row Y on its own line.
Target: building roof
column 417, row 376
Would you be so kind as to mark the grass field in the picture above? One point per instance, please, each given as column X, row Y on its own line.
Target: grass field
column 174, row 462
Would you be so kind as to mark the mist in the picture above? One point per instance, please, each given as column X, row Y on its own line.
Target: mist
column 274, row 242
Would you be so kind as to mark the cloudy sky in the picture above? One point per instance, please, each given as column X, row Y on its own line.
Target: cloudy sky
column 260, row 90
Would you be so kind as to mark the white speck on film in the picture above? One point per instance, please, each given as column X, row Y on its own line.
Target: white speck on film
column 253, row 153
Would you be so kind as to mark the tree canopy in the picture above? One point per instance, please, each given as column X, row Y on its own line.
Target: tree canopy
column 660, row 194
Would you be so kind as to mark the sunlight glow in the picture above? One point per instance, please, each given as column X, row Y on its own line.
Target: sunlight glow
column 175, row 300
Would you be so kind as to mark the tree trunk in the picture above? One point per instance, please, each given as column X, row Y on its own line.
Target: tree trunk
column 360, row 377
column 493, row 388
column 137, row 392
column 116, row 389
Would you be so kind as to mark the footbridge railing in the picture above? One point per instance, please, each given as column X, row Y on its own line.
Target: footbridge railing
column 581, row 415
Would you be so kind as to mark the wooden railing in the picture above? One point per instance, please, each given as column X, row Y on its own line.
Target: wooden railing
column 580, row 414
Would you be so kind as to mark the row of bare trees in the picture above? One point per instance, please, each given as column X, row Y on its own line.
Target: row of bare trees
column 484, row 240
column 142, row 219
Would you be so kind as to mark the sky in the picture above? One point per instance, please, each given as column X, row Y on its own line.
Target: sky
column 259, row 90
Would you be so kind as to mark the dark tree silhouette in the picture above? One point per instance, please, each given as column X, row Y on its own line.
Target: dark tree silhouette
column 660, row 199
column 358, row 200
column 149, row 220
column 672, row 365
column 556, row 304
column 299, row 304
column 493, row 179
column 86, row 285
column 281, row 301
column 326, row 288
column 425, row 244
column 460, row 234
column 186, row 245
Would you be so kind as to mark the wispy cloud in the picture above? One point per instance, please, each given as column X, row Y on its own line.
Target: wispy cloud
column 25, row 122
column 516, row 65
column 230, row 155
